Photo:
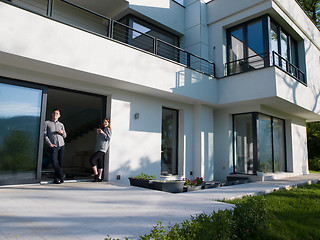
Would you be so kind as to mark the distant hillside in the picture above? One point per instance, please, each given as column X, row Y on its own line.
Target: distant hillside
column 28, row 124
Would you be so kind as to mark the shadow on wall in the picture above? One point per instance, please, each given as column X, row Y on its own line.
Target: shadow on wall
column 131, row 168
column 196, row 85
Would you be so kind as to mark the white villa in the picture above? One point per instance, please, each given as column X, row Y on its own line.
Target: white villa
column 193, row 88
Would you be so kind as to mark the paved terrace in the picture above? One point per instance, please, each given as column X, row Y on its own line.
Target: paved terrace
column 85, row 210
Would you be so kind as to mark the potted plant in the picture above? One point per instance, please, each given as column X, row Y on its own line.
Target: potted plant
column 172, row 186
column 195, row 184
column 142, row 180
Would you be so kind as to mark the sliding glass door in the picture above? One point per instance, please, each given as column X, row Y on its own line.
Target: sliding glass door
column 169, row 142
column 20, row 114
column 258, row 143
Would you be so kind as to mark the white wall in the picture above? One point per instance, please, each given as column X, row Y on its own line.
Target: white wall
column 31, row 40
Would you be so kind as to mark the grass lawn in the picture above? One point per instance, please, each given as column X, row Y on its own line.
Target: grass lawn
column 292, row 214
column 311, row 171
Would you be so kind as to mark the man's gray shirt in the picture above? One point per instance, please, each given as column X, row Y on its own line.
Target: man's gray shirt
column 103, row 139
column 50, row 133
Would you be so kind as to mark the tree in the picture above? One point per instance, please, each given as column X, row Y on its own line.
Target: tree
column 312, row 8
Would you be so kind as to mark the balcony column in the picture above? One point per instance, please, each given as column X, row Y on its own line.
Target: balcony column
column 203, row 142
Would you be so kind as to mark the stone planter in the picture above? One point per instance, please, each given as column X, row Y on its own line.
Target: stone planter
column 141, row 183
column 169, row 186
column 191, row 188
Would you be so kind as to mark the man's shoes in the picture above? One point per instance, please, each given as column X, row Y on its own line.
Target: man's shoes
column 56, row 181
column 62, row 178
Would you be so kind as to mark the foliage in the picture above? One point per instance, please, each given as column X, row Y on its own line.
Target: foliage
column 19, row 152
column 240, row 223
column 293, row 214
column 145, row 176
column 283, row 214
column 312, row 9
column 314, row 164
column 194, row 182
column 313, row 133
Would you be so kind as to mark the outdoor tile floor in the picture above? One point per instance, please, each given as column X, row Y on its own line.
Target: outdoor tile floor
column 85, row 210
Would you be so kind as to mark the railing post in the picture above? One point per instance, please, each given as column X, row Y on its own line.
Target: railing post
column 155, row 46
column 188, row 60
column 50, row 8
column 273, row 59
column 111, row 26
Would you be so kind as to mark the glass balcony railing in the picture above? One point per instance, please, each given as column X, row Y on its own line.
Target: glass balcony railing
column 87, row 20
column 262, row 61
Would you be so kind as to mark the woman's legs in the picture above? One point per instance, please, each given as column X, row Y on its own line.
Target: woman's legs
column 97, row 159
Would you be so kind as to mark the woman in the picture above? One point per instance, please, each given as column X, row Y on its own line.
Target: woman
column 102, row 145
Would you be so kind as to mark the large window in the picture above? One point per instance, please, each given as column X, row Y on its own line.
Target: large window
column 258, row 143
column 246, row 46
column 165, row 47
column 260, row 43
column 169, row 142
column 20, row 111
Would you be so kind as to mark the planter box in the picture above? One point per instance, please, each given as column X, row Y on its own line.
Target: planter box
column 172, row 187
column 141, row 183
column 191, row 188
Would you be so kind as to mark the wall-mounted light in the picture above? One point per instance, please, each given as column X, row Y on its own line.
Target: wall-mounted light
column 136, row 116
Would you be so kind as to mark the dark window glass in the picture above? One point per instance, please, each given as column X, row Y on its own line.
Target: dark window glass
column 20, row 110
column 243, row 143
column 274, row 38
column 255, row 45
column 258, row 147
column 255, row 38
column 265, row 144
column 293, row 52
column 236, row 45
column 169, row 142
column 279, row 145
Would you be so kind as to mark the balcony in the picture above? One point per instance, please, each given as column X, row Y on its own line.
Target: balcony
column 95, row 23
column 262, row 61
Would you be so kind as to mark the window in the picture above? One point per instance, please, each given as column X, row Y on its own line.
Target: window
column 169, row 142
column 243, row 143
column 246, row 46
column 20, row 112
column 166, row 47
column 258, row 143
column 250, row 46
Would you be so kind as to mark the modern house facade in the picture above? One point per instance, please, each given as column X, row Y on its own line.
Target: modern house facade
column 192, row 88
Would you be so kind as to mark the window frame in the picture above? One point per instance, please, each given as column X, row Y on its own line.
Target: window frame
column 255, row 137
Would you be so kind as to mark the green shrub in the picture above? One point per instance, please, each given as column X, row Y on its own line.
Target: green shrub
column 145, row 176
column 243, row 222
column 314, row 164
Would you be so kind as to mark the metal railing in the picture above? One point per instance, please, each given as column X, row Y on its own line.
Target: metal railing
column 85, row 19
column 247, row 64
column 288, row 67
column 262, row 61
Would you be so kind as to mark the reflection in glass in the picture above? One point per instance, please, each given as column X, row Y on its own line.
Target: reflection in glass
column 169, row 142
column 265, row 144
column 279, row 145
column 236, row 48
column 255, row 45
column 20, row 110
column 243, row 144
column 284, row 50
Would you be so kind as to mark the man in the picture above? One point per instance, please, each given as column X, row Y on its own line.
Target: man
column 54, row 134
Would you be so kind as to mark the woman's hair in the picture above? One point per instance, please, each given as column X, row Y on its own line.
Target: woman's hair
column 109, row 126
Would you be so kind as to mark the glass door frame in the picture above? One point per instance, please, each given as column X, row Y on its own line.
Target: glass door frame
column 255, row 133
column 43, row 88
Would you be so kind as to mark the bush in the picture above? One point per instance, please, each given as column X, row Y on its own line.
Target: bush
column 244, row 222
column 145, row 176
column 314, row 164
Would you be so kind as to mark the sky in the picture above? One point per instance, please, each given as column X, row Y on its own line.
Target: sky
column 19, row 101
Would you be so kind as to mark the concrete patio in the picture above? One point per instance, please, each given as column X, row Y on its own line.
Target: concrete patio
column 85, row 210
